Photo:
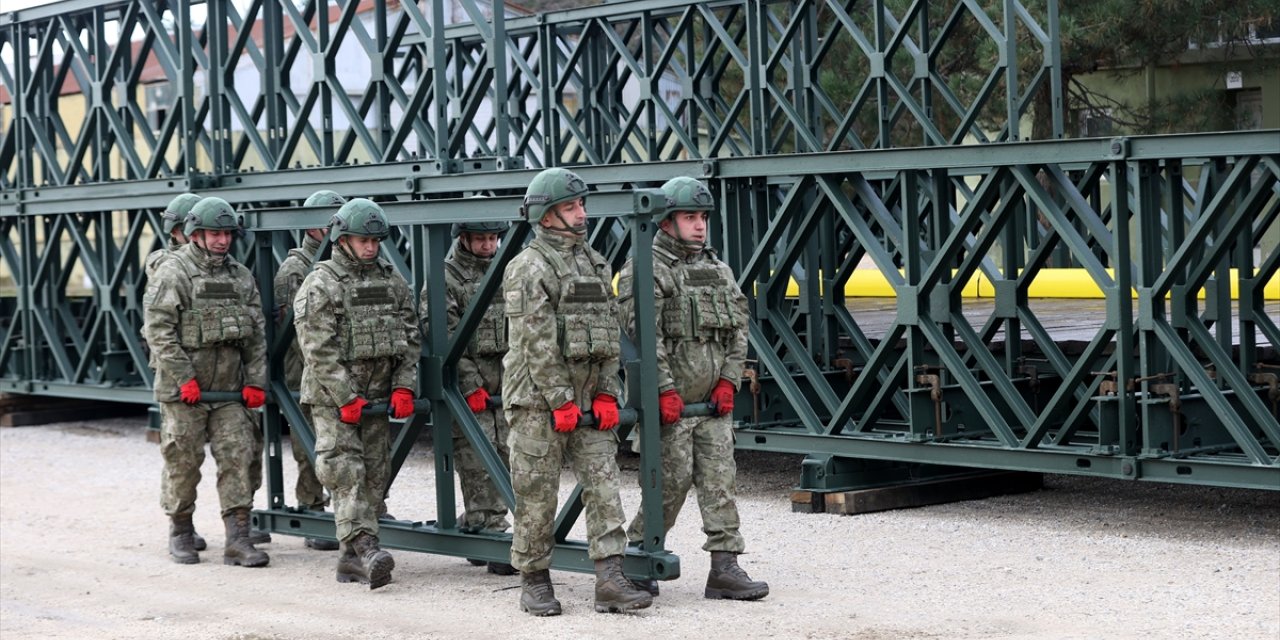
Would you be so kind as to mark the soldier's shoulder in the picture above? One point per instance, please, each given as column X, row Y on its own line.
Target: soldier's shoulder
column 168, row 267
column 292, row 263
column 527, row 265
column 324, row 275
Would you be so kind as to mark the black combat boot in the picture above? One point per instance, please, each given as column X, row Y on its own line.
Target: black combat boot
column 321, row 544
column 181, row 542
column 239, row 550
column 537, row 596
column 648, row 585
column 728, row 581
column 198, row 542
column 501, row 569
column 376, row 562
column 614, row 592
column 350, row 568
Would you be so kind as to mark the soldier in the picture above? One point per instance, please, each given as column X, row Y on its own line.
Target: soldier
column 479, row 376
column 563, row 360
column 309, row 491
column 702, row 345
column 175, row 214
column 205, row 327
column 360, row 344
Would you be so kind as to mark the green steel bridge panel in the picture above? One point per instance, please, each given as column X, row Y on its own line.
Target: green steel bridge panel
column 136, row 90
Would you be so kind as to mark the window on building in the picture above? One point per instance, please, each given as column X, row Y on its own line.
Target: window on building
column 157, row 100
column 1094, row 123
column 1248, row 109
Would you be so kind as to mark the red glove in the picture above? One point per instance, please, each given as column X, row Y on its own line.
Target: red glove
column 670, row 404
column 722, row 397
column 254, row 397
column 567, row 417
column 350, row 412
column 401, row 403
column 478, row 400
column 190, row 391
column 606, row 409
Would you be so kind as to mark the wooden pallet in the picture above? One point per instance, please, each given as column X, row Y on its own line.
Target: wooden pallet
column 18, row 410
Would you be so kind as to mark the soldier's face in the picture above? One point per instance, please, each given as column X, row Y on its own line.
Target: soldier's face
column 361, row 247
column 215, row 241
column 690, row 226
column 178, row 236
column 317, row 234
column 573, row 212
column 484, row 245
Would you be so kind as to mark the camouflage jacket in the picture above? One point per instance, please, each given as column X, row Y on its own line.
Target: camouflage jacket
column 701, row 316
column 562, row 325
column 481, row 364
column 358, row 331
column 203, row 320
column 158, row 257
column 149, row 266
column 286, row 283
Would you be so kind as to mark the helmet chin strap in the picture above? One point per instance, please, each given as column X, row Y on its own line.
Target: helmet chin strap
column 567, row 228
column 688, row 244
column 346, row 251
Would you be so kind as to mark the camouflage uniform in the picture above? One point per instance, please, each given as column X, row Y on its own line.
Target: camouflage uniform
column 204, row 321
column 563, row 335
column 479, row 368
column 702, row 339
column 359, row 336
column 288, row 279
column 159, row 257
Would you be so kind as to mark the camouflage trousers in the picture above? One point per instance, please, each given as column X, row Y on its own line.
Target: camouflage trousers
column 698, row 452
column 485, row 509
column 537, row 454
column 229, row 428
column 353, row 461
column 309, row 491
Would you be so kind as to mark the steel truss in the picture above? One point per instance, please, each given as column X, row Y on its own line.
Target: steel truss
column 810, row 183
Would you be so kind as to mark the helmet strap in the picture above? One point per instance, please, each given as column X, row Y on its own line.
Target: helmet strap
column 566, row 227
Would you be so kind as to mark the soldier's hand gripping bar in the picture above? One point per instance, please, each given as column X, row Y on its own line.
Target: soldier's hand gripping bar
column 628, row 416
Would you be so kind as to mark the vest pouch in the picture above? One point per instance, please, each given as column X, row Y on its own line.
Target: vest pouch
column 588, row 321
column 490, row 337
column 207, row 326
column 676, row 314
column 372, row 336
column 370, row 328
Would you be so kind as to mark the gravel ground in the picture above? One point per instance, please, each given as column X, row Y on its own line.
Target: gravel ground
column 83, row 555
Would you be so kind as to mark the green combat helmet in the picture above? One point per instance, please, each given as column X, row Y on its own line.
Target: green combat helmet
column 478, row 227
column 324, row 198
column 213, row 213
column 686, row 194
column 359, row 217
column 176, row 212
column 550, row 187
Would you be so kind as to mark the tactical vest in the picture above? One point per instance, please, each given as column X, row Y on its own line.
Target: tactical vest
column 702, row 307
column 217, row 316
column 370, row 325
column 490, row 337
column 586, row 320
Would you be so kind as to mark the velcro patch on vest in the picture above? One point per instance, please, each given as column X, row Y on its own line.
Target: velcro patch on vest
column 219, row 291
column 586, row 292
column 702, row 277
column 372, row 295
